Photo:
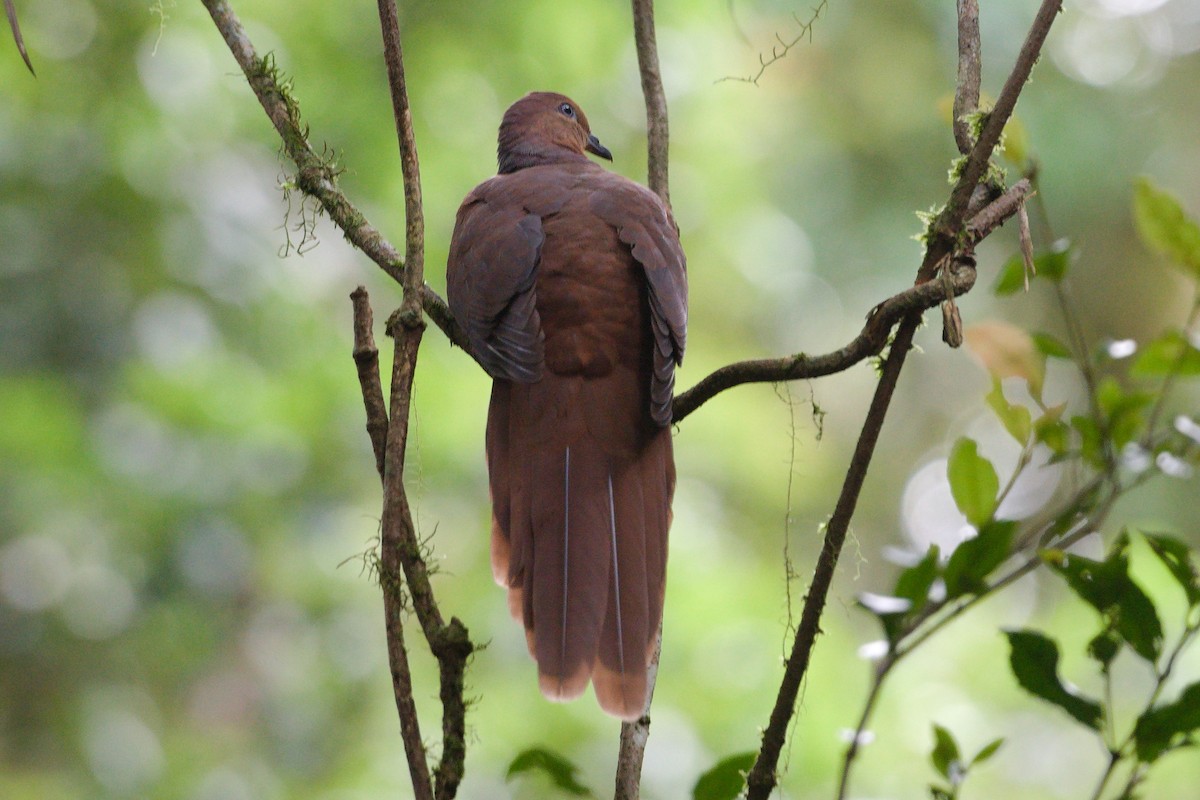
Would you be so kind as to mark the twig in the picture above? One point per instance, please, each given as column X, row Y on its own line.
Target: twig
column 966, row 94
column 873, row 337
column 634, row 735
column 316, row 177
column 366, row 358
column 780, row 50
column 398, row 547
column 657, row 133
column 11, row 11
column 944, row 230
column 881, row 673
column 414, row 234
column 761, row 779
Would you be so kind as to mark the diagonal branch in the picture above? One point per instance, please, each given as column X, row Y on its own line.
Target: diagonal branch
column 317, row 176
column 949, row 236
column 11, row 11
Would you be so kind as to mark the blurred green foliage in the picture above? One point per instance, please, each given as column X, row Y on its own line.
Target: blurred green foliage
column 186, row 486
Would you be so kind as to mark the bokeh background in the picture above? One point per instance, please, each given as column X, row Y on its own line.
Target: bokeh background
column 186, row 488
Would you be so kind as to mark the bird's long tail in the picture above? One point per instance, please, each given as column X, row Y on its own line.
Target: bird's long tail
column 579, row 538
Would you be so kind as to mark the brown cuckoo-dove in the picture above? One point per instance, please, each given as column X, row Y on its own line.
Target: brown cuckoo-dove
column 571, row 284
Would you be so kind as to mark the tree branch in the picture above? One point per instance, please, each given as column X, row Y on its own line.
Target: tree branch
column 949, row 240
column 366, row 358
column 11, row 11
column 944, row 230
column 966, row 94
column 449, row 643
column 635, row 735
column 414, row 234
column 871, row 340
column 761, row 780
column 317, row 176
column 657, row 133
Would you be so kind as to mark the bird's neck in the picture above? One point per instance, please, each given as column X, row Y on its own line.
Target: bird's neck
column 533, row 154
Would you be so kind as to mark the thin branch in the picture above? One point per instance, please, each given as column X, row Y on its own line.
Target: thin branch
column 316, row 177
column 944, row 231
column 414, row 234
column 966, row 94
column 881, row 672
column 634, row 735
column 449, row 643
column 782, row 48
column 761, row 780
column 11, row 11
column 873, row 337
column 366, row 358
column 657, row 133
column 398, row 548
column 948, row 236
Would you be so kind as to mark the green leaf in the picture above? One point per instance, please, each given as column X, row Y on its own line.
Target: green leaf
column 1122, row 409
column 975, row 558
column 914, row 583
column 912, row 588
column 1107, row 587
column 1169, row 353
column 1091, row 443
column 1050, row 430
column 1103, row 647
column 1051, row 264
column 1164, row 227
column 726, row 778
column 1014, row 142
column 945, row 755
column 1050, row 346
column 987, row 751
column 1177, row 558
column 1016, row 418
column 973, row 482
column 1034, row 662
column 561, row 771
column 1168, row 726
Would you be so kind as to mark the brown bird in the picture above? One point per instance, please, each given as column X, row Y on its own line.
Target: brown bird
column 571, row 284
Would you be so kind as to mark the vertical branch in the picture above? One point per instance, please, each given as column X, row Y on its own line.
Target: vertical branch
column 366, row 358
column 401, row 549
column 635, row 735
column 657, row 134
column 966, row 94
column 762, row 779
column 414, row 234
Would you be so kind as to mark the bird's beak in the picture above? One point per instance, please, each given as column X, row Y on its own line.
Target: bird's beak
column 594, row 146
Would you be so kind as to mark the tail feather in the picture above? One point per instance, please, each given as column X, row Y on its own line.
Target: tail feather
column 579, row 539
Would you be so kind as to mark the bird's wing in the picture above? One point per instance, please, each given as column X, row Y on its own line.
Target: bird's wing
column 645, row 224
column 490, row 276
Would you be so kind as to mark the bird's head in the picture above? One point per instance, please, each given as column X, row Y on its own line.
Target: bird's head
column 544, row 128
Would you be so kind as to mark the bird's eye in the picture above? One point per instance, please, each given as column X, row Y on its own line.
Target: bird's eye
column 566, row 109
